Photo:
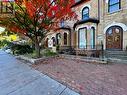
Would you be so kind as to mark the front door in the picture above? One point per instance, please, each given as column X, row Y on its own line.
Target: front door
column 114, row 36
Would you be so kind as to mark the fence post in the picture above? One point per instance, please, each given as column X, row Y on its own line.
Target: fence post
column 102, row 50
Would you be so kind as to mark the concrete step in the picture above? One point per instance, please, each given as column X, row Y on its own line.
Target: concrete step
column 116, row 54
column 125, row 57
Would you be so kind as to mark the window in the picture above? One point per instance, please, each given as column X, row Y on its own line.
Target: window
column 46, row 42
column 65, row 38
column 58, row 37
column 54, row 41
column 62, row 23
column 82, row 38
column 53, row 2
column 85, row 13
column 6, row 7
column 113, row 5
column 92, row 38
column 87, row 38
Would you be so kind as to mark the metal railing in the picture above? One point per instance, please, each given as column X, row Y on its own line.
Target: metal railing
column 89, row 51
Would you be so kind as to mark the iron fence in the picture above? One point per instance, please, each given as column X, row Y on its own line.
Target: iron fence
column 89, row 51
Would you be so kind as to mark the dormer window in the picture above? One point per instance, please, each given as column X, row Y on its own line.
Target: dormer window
column 85, row 13
column 113, row 6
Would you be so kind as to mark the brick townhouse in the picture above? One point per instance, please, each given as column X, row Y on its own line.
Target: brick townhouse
column 5, row 12
column 99, row 22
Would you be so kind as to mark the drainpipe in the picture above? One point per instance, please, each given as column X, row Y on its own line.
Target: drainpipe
column 99, row 10
column 70, row 38
column 98, row 17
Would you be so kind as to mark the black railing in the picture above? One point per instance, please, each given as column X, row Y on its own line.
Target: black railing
column 89, row 51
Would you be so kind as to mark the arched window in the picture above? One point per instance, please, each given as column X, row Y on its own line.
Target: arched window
column 54, row 41
column 114, row 5
column 85, row 13
column 92, row 37
column 65, row 38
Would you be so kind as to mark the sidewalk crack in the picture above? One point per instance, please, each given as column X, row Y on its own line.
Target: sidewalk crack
column 63, row 90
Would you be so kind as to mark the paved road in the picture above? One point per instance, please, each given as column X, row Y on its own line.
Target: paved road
column 17, row 78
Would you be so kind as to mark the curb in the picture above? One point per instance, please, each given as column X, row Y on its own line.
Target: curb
column 86, row 59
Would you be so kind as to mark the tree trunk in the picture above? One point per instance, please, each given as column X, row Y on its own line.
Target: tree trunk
column 37, row 50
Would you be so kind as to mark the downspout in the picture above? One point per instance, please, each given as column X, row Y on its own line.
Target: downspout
column 99, row 10
column 70, row 38
column 98, row 23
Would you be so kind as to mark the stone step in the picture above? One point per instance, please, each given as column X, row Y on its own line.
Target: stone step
column 118, row 57
column 114, row 52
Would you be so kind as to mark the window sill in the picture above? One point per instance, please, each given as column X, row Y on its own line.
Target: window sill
column 110, row 13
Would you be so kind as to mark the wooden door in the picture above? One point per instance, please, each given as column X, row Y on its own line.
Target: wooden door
column 114, row 37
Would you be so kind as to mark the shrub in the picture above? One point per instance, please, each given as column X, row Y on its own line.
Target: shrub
column 48, row 52
column 21, row 49
column 4, row 43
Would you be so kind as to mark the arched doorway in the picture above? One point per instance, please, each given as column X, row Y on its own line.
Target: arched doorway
column 114, row 38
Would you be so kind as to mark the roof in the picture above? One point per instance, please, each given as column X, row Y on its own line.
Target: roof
column 64, row 28
column 79, row 2
column 93, row 20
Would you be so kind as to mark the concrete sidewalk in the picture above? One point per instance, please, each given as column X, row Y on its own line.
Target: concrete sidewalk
column 17, row 78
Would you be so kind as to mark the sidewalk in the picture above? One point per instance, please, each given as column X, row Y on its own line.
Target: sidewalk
column 17, row 78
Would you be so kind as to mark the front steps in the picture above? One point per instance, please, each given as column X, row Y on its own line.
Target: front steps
column 118, row 55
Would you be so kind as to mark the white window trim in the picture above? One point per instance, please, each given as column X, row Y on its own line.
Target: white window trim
column 84, row 7
column 122, row 25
